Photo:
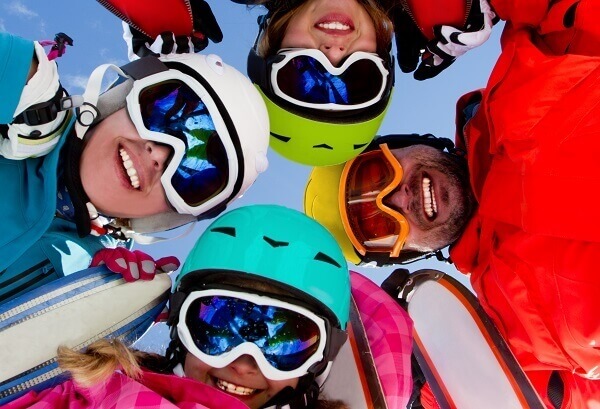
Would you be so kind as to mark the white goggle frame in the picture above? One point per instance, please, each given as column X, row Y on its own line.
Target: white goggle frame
column 290, row 53
column 133, row 107
column 249, row 348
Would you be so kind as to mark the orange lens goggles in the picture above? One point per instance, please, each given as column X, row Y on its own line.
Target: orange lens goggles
column 370, row 225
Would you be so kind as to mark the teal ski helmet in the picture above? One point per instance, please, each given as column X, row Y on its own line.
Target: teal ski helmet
column 296, row 258
column 281, row 246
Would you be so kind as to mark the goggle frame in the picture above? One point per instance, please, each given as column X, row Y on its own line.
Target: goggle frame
column 289, row 53
column 357, row 243
column 249, row 348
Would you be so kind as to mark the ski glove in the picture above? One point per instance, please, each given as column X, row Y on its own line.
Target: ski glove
column 450, row 42
column 205, row 25
column 58, row 45
column 133, row 265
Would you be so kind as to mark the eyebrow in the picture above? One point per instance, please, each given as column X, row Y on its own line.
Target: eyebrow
column 230, row 231
column 326, row 259
column 275, row 243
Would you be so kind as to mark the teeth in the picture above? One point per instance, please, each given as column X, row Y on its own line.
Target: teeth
column 429, row 203
column 233, row 388
column 128, row 165
column 334, row 25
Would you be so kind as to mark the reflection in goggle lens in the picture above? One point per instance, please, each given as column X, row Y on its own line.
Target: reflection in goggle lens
column 286, row 338
column 173, row 108
column 304, row 78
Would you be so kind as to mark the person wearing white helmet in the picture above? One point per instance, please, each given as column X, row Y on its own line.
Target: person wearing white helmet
column 174, row 140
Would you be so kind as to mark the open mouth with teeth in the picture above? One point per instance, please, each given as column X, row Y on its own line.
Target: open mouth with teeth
column 130, row 170
column 234, row 389
column 429, row 202
column 335, row 24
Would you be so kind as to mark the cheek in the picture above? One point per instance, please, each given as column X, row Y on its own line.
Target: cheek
column 368, row 40
column 296, row 37
column 298, row 33
column 196, row 369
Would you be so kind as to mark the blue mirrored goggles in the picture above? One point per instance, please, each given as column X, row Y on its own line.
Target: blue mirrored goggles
column 218, row 326
column 172, row 108
column 306, row 77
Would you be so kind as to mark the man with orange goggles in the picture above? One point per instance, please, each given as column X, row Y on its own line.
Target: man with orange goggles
column 531, row 247
column 404, row 197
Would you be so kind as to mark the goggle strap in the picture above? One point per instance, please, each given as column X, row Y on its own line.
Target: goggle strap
column 144, row 67
column 88, row 113
column 175, row 302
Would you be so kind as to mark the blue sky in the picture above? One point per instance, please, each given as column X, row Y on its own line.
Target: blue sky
column 421, row 107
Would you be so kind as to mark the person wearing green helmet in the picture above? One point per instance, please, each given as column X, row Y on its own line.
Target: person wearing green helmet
column 258, row 313
column 325, row 71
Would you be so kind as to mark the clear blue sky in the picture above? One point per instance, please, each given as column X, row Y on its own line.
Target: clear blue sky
column 421, row 107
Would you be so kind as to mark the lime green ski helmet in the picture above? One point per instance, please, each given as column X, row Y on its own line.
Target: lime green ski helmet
column 277, row 245
column 316, row 137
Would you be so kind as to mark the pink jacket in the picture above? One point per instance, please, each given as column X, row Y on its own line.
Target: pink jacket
column 152, row 391
column 388, row 327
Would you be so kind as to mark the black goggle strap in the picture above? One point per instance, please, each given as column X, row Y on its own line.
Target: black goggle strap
column 144, row 67
column 305, row 396
column 256, row 66
column 45, row 112
column 395, row 141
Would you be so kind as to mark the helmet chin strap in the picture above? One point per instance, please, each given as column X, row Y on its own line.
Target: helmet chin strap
column 304, row 396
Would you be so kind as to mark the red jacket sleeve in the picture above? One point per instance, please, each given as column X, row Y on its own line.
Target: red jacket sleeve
column 530, row 12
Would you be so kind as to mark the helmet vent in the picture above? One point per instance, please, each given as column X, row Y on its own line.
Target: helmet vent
column 326, row 259
column 275, row 243
column 323, row 146
column 230, row 231
column 359, row 146
column 281, row 137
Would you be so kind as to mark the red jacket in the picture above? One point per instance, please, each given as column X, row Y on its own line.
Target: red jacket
column 533, row 246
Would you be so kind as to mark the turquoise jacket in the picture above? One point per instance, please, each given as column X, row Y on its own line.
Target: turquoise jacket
column 35, row 247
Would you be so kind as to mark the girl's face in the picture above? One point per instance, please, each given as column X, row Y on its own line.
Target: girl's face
column 242, row 379
column 120, row 171
column 336, row 27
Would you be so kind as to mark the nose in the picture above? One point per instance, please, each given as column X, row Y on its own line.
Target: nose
column 334, row 53
column 400, row 199
column 244, row 365
column 159, row 154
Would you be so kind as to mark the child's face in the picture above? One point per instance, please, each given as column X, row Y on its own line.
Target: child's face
column 336, row 27
column 120, row 171
column 242, row 379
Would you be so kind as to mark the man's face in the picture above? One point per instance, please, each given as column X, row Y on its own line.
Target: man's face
column 432, row 196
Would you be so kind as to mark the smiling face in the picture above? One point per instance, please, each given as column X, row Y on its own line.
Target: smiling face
column 120, row 171
column 336, row 27
column 433, row 196
column 242, row 379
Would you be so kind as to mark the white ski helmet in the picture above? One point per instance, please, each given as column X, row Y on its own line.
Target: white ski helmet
column 198, row 100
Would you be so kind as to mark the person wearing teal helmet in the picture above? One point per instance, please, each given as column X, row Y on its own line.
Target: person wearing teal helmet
column 265, row 287
column 257, row 314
